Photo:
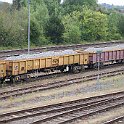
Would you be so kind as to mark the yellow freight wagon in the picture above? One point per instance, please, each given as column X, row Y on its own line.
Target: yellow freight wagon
column 16, row 67
column 2, row 69
column 21, row 67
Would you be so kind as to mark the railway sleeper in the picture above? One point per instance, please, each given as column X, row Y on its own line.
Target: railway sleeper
column 100, row 64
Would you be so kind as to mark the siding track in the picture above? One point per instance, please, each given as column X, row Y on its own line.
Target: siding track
column 67, row 112
column 42, row 87
column 8, row 53
column 115, row 120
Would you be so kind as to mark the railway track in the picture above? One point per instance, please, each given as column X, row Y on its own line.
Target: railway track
column 116, row 120
column 42, row 87
column 8, row 53
column 67, row 112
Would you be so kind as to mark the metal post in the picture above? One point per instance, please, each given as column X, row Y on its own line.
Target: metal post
column 98, row 66
column 98, row 56
column 28, row 26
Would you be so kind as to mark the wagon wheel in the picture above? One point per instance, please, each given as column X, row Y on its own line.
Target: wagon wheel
column 75, row 69
column 82, row 68
column 12, row 80
column 62, row 69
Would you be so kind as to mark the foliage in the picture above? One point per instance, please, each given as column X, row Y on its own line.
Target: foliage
column 121, row 24
column 74, row 21
column 72, row 32
column 54, row 28
column 53, row 7
column 77, row 5
column 13, row 28
column 93, row 25
column 86, row 25
column 39, row 17
column 113, row 29
column 16, row 4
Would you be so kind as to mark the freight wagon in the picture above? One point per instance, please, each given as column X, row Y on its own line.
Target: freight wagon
column 2, row 70
column 107, row 55
column 25, row 66
column 22, row 67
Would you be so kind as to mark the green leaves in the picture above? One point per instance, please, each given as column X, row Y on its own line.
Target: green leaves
column 86, row 25
column 113, row 29
column 13, row 28
column 74, row 21
column 39, row 18
column 77, row 5
column 94, row 25
column 71, row 24
column 121, row 24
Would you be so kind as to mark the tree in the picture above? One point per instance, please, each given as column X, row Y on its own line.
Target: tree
column 39, row 18
column 54, row 30
column 113, row 30
column 13, row 28
column 86, row 25
column 77, row 5
column 53, row 7
column 121, row 24
column 16, row 5
column 94, row 25
column 54, row 27
column 72, row 33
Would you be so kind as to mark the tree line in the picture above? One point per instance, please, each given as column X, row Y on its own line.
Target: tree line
column 53, row 22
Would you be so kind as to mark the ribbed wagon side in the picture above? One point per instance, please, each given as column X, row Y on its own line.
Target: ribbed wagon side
column 2, row 70
column 105, row 57
column 23, row 69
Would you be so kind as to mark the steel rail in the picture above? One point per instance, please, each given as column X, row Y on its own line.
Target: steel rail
column 83, row 112
column 61, row 107
column 19, row 92
column 112, row 121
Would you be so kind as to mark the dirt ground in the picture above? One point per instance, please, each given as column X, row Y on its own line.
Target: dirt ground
column 68, row 93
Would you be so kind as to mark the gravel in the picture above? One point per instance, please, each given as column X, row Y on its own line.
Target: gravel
column 113, row 48
column 42, row 55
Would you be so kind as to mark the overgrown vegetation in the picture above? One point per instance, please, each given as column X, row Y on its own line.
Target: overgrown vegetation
column 73, row 21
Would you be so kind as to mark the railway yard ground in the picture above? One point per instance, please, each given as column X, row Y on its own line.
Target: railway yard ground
column 66, row 93
column 90, row 97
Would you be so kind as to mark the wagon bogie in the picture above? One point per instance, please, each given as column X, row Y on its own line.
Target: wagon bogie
column 95, row 65
column 76, row 68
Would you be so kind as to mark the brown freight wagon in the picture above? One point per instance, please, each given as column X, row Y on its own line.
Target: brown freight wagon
column 20, row 69
column 106, row 55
